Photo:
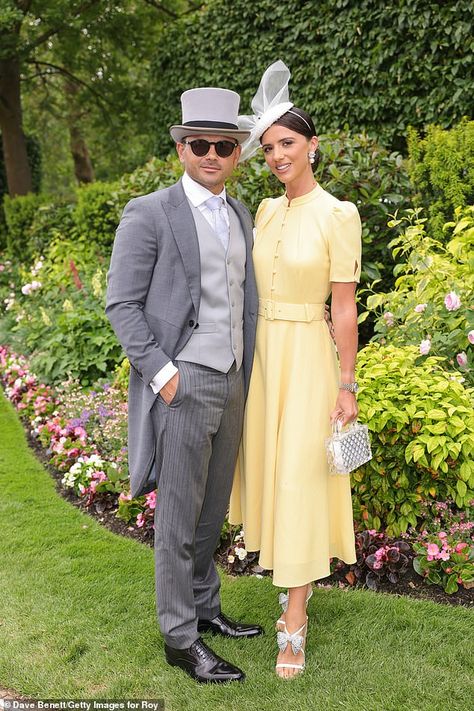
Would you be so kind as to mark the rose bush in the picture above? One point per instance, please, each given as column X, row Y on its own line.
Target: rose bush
column 431, row 304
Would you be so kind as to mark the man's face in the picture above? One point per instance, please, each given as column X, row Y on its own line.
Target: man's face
column 210, row 170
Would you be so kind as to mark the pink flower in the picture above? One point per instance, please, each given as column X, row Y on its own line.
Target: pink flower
column 151, row 500
column 425, row 346
column 442, row 534
column 140, row 520
column 388, row 317
column 432, row 549
column 124, row 497
column 452, row 301
column 462, row 359
column 444, row 555
column 419, row 308
column 460, row 547
column 470, row 336
column 377, row 565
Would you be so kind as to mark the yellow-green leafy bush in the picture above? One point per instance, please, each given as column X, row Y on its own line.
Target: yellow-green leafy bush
column 421, row 421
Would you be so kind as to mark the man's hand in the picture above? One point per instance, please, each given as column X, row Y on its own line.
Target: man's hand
column 327, row 318
column 168, row 391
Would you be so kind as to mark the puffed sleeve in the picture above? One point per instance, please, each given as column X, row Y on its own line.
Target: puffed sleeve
column 345, row 243
column 259, row 215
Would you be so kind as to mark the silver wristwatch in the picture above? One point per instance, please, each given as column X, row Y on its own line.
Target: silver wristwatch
column 352, row 387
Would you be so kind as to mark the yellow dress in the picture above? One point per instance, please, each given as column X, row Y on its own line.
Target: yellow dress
column 293, row 511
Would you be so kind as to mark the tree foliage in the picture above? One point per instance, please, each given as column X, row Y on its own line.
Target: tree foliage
column 441, row 168
column 374, row 65
column 80, row 62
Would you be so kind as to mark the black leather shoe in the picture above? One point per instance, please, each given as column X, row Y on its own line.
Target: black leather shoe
column 228, row 628
column 200, row 662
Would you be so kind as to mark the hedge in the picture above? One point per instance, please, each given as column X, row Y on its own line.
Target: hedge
column 372, row 65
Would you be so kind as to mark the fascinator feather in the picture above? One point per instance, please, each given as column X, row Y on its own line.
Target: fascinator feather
column 269, row 103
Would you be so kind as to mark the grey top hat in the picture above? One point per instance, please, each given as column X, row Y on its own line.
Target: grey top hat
column 209, row 110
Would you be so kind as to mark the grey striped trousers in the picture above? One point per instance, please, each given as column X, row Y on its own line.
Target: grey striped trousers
column 197, row 439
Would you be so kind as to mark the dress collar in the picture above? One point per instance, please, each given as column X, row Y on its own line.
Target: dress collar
column 316, row 192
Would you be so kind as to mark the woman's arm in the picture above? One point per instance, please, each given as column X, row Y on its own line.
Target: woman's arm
column 344, row 318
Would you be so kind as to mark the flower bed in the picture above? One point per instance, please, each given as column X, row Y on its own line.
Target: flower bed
column 83, row 433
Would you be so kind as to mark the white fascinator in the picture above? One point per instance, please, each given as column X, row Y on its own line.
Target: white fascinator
column 269, row 103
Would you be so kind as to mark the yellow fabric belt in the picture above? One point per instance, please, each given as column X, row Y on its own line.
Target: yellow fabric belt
column 272, row 310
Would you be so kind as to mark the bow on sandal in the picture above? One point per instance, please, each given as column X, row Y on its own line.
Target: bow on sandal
column 296, row 640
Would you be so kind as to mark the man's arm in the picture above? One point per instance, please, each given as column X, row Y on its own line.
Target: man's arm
column 131, row 268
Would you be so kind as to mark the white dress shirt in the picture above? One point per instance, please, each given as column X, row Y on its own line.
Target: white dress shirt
column 197, row 195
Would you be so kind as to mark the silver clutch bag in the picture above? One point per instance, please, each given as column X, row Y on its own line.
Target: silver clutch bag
column 348, row 449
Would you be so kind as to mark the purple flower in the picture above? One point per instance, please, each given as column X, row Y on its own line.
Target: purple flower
column 388, row 317
column 102, row 411
column 470, row 337
column 452, row 301
column 462, row 359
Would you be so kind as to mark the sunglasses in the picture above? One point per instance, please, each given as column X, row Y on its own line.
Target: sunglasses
column 200, row 147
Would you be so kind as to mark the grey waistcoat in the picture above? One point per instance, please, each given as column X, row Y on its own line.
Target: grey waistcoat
column 217, row 339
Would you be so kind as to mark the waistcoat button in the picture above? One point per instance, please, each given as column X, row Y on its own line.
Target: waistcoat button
column 191, row 323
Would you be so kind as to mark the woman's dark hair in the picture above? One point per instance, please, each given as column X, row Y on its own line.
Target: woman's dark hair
column 301, row 122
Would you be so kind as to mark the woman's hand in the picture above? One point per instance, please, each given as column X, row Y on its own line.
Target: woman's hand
column 346, row 408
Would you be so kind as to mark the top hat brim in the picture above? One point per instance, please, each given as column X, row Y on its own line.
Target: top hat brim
column 180, row 132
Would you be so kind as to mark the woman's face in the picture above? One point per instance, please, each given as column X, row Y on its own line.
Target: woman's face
column 286, row 153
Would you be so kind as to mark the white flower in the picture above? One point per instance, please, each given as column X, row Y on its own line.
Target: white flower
column 68, row 479
column 419, row 308
column 425, row 346
column 241, row 553
column 230, row 558
column 452, row 301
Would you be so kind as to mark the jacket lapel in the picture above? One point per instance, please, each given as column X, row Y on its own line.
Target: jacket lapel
column 184, row 232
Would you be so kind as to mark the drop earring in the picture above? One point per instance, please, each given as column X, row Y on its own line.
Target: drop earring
column 312, row 156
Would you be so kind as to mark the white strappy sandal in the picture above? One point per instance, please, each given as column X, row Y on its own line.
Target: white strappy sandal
column 297, row 641
column 283, row 600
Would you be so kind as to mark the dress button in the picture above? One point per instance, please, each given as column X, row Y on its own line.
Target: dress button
column 191, row 323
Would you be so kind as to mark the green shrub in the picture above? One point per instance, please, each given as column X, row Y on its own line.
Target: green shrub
column 20, row 213
column 430, row 306
column 56, row 314
column 97, row 213
column 422, row 432
column 378, row 67
column 441, row 168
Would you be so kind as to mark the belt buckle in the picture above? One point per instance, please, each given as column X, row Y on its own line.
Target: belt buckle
column 269, row 310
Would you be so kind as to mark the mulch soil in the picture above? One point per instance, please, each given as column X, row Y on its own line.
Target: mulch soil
column 104, row 509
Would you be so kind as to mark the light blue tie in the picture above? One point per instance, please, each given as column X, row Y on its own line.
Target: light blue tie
column 217, row 206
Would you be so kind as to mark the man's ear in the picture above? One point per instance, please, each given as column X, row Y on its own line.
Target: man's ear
column 179, row 149
column 237, row 153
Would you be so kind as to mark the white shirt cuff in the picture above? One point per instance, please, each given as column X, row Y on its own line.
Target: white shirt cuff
column 162, row 377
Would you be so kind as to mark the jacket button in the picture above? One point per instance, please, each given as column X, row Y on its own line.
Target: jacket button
column 191, row 323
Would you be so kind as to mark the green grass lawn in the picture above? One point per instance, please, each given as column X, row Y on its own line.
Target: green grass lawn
column 77, row 619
